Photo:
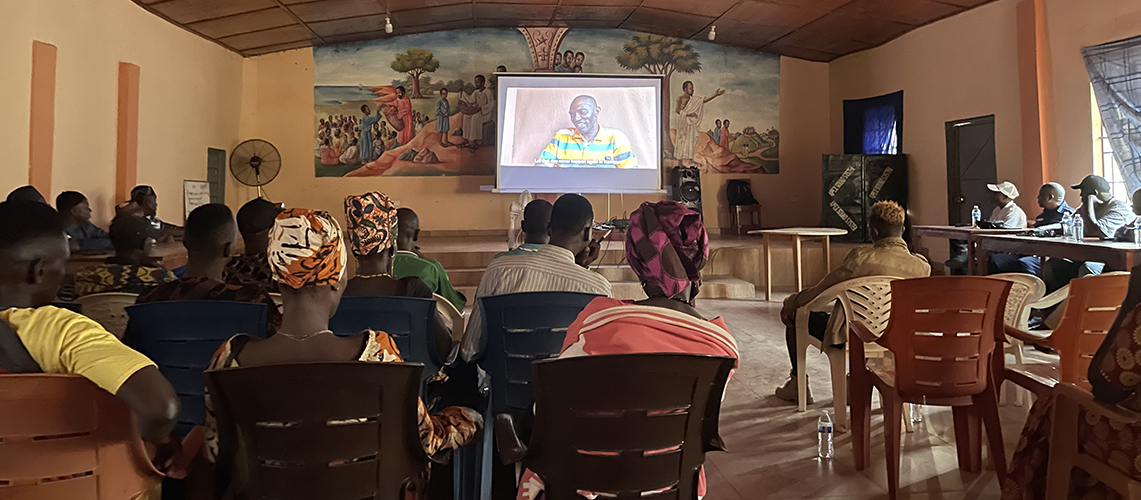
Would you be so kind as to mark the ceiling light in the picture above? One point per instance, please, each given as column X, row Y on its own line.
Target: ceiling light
column 712, row 33
column 388, row 26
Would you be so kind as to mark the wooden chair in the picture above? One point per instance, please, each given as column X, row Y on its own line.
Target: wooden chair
column 943, row 333
column 1070, row 404
column 108, row 309
column 452, row 316
column 597, row 418
column 1090, row 309
column 1026, row 289
column 62, row 437
column 866, row 300
column 334, row 431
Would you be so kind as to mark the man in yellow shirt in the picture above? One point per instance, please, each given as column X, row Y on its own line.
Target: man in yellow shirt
column 36, row 337
column 588, row 144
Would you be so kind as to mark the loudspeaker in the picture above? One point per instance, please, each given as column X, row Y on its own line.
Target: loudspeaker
column 687, row 187
column 853, row 183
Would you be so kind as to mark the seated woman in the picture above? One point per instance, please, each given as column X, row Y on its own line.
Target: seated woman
column 1116, row 379
column 371, row 218
column 308, row 259
column 666, row 246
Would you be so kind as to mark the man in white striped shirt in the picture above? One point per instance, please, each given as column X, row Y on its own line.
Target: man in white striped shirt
column 559, row 266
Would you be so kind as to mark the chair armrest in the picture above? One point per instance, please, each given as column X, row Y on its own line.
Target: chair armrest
column 1029, row 338
column 862, row 332
column 511, row 449
column 1086, row 400
column 1052, row 299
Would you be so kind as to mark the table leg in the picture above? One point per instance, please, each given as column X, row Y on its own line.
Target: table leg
column 796, row 263
column 827, row 255
column 768, row 264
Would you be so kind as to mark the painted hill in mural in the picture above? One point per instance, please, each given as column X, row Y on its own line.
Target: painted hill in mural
column 449, row 160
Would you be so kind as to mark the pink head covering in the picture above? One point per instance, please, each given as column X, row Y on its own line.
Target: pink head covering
column 667, row 246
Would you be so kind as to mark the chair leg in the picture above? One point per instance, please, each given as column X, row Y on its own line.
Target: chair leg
column 967, row 438
column 1063, row 449
column 908, row 425
column 892, row 414
column 861, row 394
column 1022, row 396
column 838, row 360
column 801, row 371
column 987, row 406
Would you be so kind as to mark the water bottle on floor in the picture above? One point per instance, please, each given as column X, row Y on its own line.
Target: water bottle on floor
column 976, row 216
column 824, row 439
column 1079, row 229
column 916, row 413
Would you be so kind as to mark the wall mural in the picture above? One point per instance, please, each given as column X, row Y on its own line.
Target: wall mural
column 424, row 105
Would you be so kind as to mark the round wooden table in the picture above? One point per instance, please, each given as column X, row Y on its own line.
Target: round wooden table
column 797, row 234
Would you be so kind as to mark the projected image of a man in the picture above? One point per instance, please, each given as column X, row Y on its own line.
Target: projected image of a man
column 588, row 144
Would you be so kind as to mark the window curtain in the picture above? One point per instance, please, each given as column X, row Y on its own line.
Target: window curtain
column 874, row 125
column 879, row 131
column 1115, row 73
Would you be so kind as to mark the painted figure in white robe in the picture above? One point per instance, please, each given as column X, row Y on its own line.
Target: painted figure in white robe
column 689, row 112
column 477, row 108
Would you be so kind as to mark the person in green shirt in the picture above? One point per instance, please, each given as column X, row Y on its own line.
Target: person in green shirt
column 409, row 262
column 536, row 217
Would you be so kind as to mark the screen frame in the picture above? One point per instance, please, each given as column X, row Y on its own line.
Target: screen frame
column 501, row 104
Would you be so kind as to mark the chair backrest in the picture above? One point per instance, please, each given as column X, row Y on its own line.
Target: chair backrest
column 410, row 321
column 453, row 316
column 626, row 424
column 520, row 328
column 868, row 300
column 334, row 431
column 1090, row 309
column 182, row 336
column 1025, row 289
column 107, row 309
column 942, row 333
column 61, row 436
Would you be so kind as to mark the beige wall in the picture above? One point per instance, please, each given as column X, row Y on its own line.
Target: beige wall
column 277, row 105
column 189, row 97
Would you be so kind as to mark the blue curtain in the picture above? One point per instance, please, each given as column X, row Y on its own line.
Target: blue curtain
column 879, row 131
column 1115, row 73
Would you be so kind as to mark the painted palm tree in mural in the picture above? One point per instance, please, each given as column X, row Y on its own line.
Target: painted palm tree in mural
column 660, row 55
column 415, row 62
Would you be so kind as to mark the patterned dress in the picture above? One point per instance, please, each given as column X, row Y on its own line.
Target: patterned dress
column 208, row 289
column 1118, row 445
column 125, row 278
column 250, row 268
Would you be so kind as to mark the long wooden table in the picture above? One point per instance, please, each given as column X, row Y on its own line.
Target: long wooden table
column 797, row 234
column 1116, row 256
column 975, row 265
column 171, row 255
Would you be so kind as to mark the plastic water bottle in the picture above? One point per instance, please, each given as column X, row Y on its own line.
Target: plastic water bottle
column 1137, row 231
column 916, row 415
column 976, row 216
column 824, row 439
column 1067, row 226
column 1079, row 229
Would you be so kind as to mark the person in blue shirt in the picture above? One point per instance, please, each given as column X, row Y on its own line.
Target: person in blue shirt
column 536, row 218
column 1052, row 199
column 76, row 213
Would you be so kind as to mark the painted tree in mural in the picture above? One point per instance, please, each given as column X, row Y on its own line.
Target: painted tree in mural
column 660, row 55
column 415, row 62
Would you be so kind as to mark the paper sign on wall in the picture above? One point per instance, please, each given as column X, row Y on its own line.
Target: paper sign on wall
column 195, row 194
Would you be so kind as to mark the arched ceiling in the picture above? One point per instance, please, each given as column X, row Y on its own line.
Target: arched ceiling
column 818, row 30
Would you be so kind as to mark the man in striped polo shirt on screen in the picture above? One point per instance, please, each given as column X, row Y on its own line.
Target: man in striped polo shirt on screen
column 588, row 144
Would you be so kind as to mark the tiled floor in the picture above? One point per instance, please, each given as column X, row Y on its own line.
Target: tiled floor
column 772, row 448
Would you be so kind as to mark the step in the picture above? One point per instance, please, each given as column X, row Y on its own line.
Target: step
column 470, row 276
column 713, row 286
column 480, row 259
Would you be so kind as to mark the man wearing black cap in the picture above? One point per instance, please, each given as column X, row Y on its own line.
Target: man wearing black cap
column 1102, row 215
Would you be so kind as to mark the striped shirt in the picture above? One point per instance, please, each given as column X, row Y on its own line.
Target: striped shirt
column 568, row 148
column 550, row 269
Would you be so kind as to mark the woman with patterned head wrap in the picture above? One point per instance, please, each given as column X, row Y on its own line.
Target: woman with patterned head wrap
column 307, row 255
column 666, row 246
column 371, row 219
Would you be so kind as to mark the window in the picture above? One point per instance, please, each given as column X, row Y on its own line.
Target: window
column 880, row 137
column 1105, row 163
column 874, row 125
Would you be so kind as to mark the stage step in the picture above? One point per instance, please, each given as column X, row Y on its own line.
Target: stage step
column 470, row 276
column 713, row 286
column 480, row 259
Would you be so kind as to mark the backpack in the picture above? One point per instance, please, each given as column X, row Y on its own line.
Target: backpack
column 740, row 192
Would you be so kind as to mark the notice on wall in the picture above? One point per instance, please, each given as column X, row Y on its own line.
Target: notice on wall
column 195, row 194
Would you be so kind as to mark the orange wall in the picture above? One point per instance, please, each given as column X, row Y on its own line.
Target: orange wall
column 277, row 105
column 189, row 98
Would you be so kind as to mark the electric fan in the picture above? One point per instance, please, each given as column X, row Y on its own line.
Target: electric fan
column 255, row 163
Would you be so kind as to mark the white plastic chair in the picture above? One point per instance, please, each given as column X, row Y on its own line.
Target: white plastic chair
column 867, row 300
column 453, row 317
column 1026, row 290
column 108, row 309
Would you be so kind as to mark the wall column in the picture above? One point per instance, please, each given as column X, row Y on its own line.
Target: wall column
column 42, row 126
column 127, row 132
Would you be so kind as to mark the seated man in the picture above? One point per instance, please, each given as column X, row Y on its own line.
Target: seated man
column 536, row 217
column 27, row 193
column 131, row 269
column 209, row 242
column 1006, row 211
column 409, row 262
column 144, row 203
column 76, row 214
column 562, row 265
column 1102, row 215
column 255, row 219
column 588, row 144
column 38, row 338
column 1052, row 199
column 888, row 255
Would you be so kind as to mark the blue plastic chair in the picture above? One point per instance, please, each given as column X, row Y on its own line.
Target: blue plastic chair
column 517, row 329
column 182, row 336
column 411, row 322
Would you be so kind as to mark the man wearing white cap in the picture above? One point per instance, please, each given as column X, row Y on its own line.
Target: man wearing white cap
column 1007, row 212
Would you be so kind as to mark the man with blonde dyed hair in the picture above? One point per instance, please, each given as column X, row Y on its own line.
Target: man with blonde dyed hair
column 888, row 255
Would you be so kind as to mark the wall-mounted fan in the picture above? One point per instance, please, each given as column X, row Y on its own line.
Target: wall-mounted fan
column 255, row 163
